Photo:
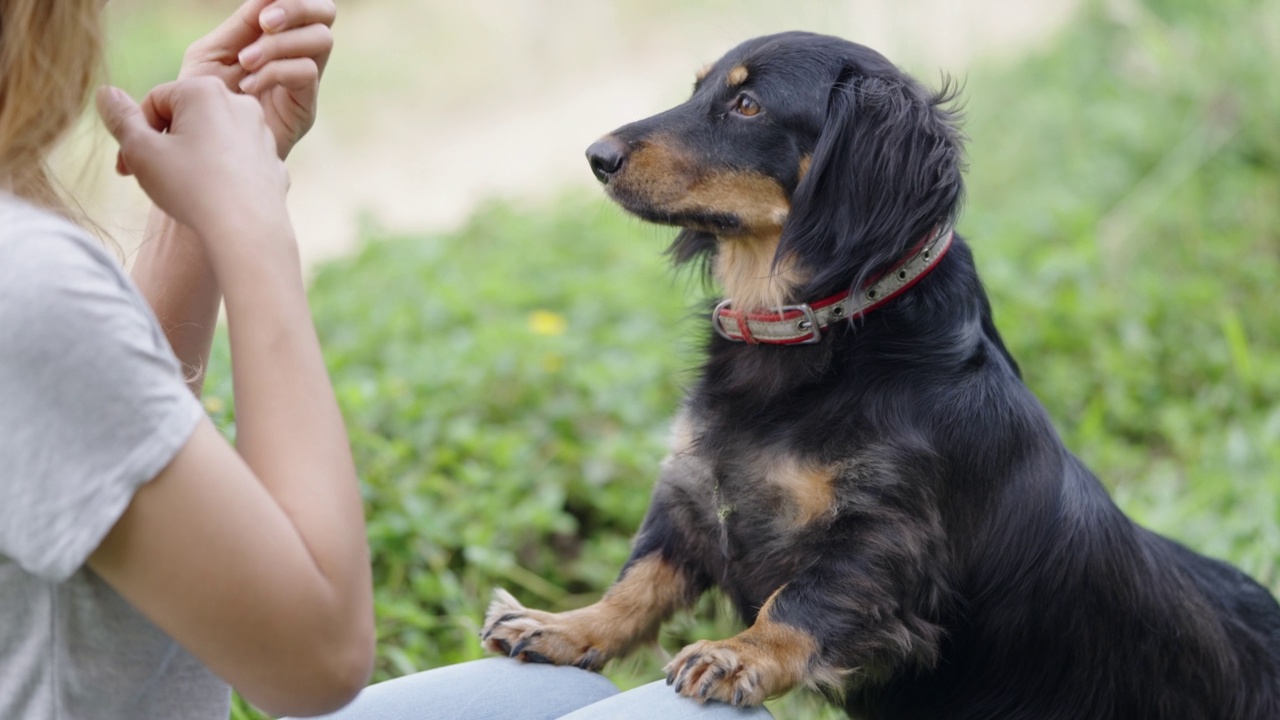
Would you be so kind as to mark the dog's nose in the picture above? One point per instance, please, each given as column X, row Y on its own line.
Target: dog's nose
column 606, row 156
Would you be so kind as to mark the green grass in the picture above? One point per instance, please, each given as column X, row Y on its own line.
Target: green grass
column 1125, row 205
column 508, row 386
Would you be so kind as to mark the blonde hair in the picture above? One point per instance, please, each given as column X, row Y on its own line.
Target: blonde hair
column 50, row 60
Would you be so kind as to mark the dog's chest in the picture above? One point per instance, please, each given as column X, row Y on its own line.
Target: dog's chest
column 756, row 506
column 772, row 491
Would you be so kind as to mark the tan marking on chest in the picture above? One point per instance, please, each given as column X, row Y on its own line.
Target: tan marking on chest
column 810, row 489
column 745, row 270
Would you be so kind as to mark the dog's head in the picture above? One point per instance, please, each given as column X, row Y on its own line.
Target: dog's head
column 802, row 164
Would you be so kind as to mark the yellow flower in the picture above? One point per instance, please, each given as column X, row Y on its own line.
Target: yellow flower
column 213, row 405
column 545, row 322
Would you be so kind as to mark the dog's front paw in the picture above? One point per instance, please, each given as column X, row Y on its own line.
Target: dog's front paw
column 541, row 637
column 730, row 671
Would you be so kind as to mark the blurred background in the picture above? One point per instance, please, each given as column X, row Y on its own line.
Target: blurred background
column 431, row 107
column 508, row 347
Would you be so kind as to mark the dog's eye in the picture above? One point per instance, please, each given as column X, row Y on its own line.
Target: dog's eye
column 746, row 105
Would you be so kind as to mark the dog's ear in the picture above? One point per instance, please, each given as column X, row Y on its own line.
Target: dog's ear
column 886, row 172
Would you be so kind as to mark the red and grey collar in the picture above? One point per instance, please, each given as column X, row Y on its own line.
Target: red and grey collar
column 805, row 323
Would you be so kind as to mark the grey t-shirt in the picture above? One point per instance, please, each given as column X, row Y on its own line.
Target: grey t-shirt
column 92, row 406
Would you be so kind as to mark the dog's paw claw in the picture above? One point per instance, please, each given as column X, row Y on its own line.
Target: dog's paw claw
column 534, row 636
column 524, row 643
column 503, row 609
column 590, row 661
column 536, row 658
column 717, row 671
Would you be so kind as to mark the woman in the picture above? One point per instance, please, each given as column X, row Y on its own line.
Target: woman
column 145, row 563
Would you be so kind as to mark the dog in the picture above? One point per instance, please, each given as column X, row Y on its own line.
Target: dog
column 859, row 466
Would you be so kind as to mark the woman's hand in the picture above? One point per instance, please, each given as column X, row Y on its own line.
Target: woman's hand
column 275, row 50
column 203, row 155
column 283, row 45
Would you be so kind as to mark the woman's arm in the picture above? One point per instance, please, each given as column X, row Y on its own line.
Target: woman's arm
column 254, row 561
column 285, row 46
column 174, row 275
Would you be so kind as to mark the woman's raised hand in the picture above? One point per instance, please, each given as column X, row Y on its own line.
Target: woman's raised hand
column 275, row 50
column 203, row 154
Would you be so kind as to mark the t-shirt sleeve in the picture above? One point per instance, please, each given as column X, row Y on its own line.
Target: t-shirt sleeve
column 92, row 399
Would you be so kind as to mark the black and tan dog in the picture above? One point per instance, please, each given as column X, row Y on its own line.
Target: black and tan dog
column 860, row 467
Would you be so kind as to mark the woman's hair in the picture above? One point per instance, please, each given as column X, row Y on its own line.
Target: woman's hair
column 50, row 59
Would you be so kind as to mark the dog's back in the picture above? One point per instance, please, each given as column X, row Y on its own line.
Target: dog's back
column 1083, row 614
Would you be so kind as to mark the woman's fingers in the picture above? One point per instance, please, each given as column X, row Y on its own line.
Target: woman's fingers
column 313, row 42
column 160, row 105
column 217, row 154
column 124, row 119
column 220, row 53
column 269, row 45
column 284, row 16
column 299, row 76
column 121, row 115
column 220, row 47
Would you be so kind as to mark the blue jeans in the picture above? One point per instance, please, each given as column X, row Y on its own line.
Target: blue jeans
column 505, row 689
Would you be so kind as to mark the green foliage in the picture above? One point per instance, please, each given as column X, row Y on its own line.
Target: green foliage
column 1124, row 207
column 508, row 386
column 506, row 401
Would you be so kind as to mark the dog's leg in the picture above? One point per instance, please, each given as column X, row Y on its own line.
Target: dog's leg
column 866, row 606
column 767, row 659
column 663, row 575
column 649, row 590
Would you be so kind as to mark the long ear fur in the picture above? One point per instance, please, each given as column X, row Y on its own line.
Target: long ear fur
column 886, row 172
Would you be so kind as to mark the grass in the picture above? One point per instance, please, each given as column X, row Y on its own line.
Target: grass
column 508, row 386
